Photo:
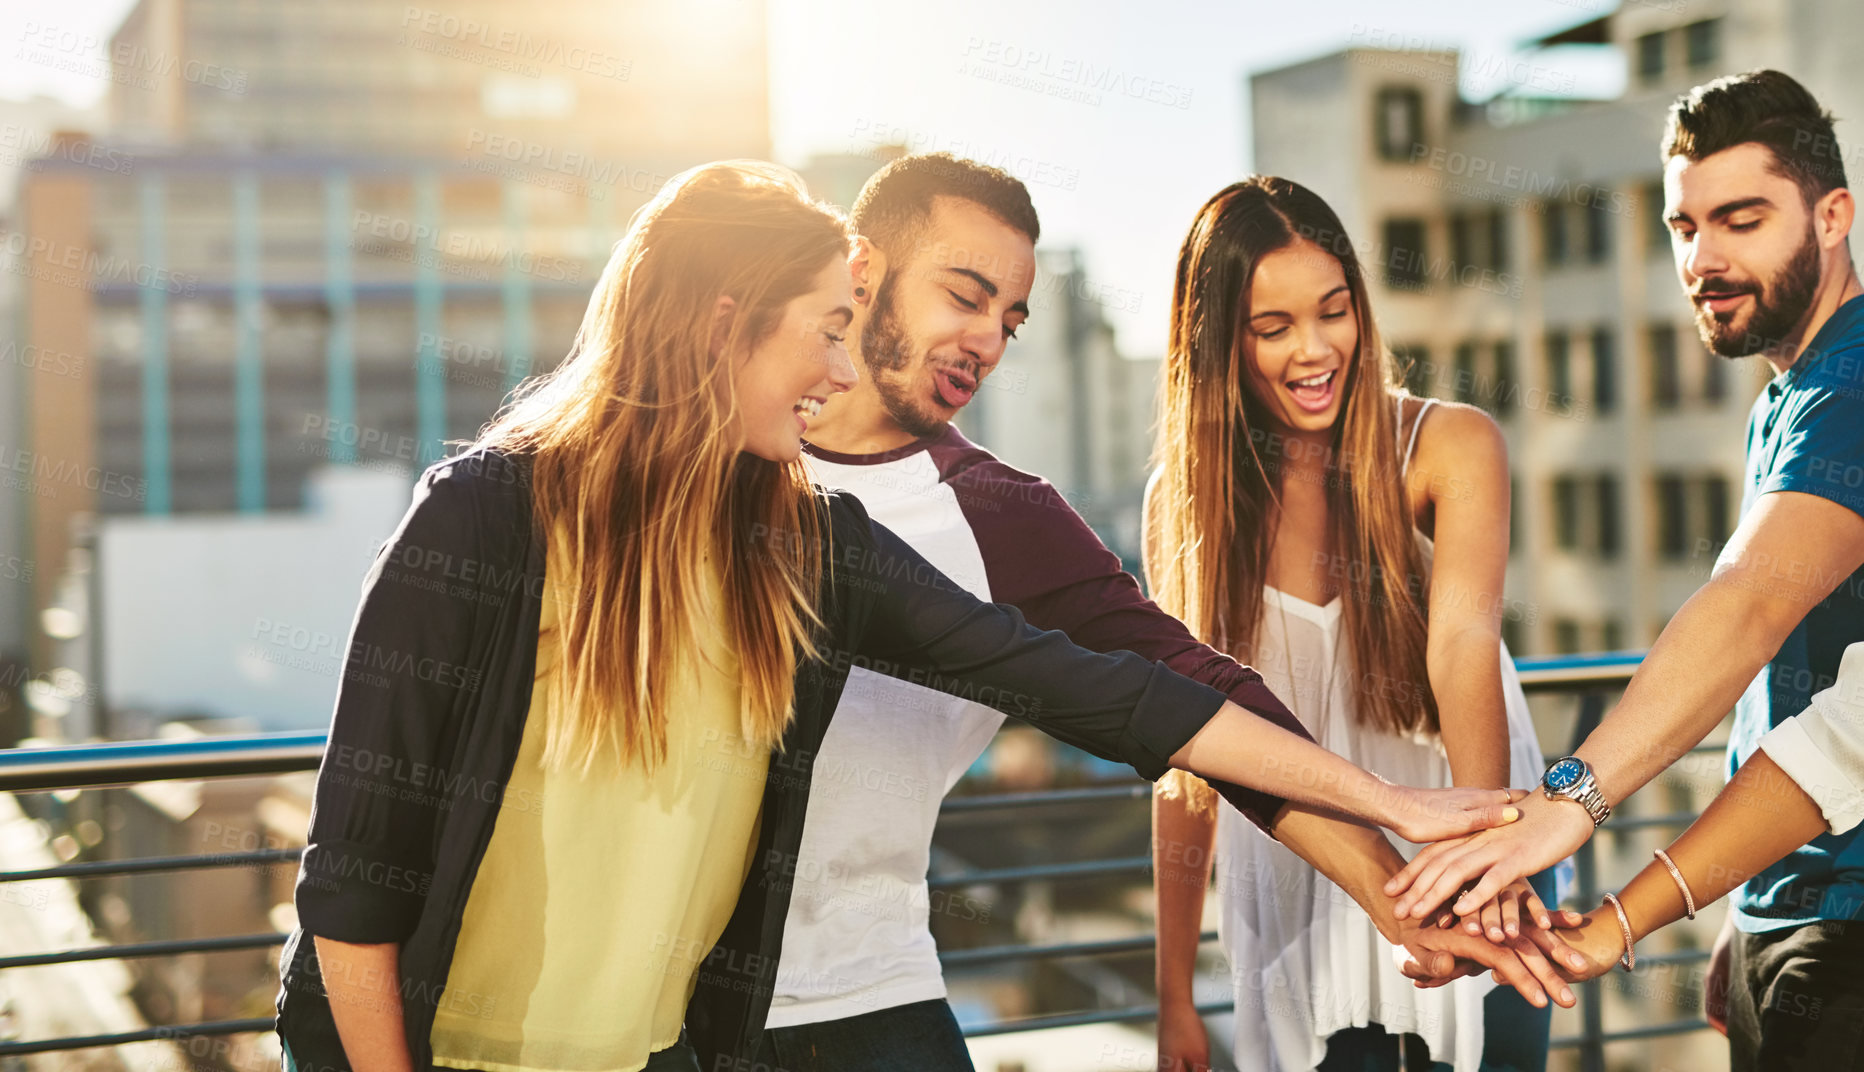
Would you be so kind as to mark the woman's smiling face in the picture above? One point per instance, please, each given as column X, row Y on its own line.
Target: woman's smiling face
column 795, row 367
column 1301, row 337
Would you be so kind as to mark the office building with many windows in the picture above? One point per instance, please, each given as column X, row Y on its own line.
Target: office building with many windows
column 1520, row 262
column 333, row 233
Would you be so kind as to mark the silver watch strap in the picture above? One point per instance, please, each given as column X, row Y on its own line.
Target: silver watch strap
column 1594, row 802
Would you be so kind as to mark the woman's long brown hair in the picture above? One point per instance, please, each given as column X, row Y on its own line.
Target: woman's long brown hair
column 1214, row 508
column 638, row 483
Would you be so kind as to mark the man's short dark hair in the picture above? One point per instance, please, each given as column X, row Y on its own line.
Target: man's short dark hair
column 896, row 203
column 1765, row 108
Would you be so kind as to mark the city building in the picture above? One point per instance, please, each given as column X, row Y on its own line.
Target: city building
column 30, row 131
column 1520, row 261
column 333, row 233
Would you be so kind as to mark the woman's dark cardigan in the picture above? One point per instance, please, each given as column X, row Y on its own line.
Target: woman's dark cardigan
column 437, row 684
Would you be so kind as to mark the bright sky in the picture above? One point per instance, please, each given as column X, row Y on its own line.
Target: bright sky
column 1117, row 176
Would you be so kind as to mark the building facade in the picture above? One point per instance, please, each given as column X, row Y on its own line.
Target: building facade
column 334, row 233
column 1519, row 260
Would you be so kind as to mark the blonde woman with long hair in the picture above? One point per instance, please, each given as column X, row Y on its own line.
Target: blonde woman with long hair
column 555, row 828
column 1290, row 523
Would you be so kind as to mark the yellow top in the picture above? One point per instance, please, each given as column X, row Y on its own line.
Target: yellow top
column 598, row 899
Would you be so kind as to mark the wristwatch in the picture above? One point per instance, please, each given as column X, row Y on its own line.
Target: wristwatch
column 1571, row 779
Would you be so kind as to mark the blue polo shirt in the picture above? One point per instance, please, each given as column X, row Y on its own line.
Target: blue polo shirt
column 1806, row 434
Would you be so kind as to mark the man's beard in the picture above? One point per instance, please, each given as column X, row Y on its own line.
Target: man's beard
column 1779, row 307
column 888, row 353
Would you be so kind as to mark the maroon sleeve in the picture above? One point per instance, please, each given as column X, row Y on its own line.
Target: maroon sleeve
column 1041, row 557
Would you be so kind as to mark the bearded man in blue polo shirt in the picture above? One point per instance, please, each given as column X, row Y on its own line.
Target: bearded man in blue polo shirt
column 1759, row 217
column 1793, row 947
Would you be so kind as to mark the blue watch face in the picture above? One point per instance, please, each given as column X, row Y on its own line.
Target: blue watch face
column 1565, row 774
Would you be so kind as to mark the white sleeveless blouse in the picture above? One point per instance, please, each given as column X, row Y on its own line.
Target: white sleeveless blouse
column 1305, row 959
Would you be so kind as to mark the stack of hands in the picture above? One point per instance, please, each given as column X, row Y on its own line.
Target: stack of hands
column 1464, row 905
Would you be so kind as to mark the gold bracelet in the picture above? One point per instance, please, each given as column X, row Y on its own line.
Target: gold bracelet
column 1689, row 902
column 1629, row 959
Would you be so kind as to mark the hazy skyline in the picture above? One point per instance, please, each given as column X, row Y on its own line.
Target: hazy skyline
column 1121, row 118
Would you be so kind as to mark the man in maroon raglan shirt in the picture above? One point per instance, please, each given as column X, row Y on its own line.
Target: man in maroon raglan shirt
column 943, row 272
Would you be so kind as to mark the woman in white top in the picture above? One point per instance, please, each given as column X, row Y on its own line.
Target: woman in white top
column 1291, row 523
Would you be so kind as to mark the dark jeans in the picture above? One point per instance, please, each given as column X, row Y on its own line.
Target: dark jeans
column 1796, row 999
column 1514, row 1032
column 923, row 1037
column 678, row 1057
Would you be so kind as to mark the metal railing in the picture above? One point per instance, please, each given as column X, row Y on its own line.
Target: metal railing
column 1589, row 677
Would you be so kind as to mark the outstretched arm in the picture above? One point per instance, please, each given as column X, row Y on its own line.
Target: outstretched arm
column 1760, row 817
column 1807, row 777
column 1359, row 859
column 1237, row 746
column 1789, row 553
column 1118, row 705
column 1045, row 560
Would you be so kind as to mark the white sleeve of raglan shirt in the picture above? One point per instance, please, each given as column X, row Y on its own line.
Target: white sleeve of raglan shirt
column 1822, row 747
